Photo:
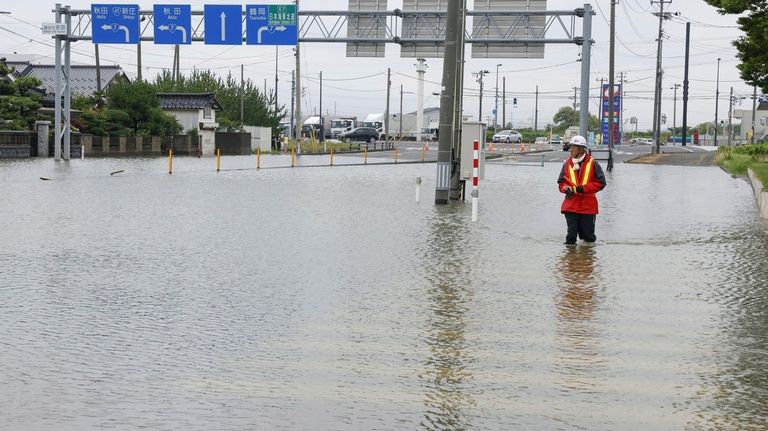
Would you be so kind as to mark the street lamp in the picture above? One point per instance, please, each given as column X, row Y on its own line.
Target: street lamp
column 717, row 96
column 496, row 107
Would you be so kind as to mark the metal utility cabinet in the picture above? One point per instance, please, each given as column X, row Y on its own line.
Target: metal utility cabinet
column 469, row 132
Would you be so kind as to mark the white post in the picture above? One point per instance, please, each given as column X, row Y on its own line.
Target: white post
column 475, row 177
column 420, row 99
column 418, row 189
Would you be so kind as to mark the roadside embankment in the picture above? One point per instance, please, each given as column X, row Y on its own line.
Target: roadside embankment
column 761, row 194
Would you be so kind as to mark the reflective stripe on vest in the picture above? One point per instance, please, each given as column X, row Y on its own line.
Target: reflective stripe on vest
column 585, row 178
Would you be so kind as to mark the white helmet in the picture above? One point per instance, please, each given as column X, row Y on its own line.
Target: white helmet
column 579, row 141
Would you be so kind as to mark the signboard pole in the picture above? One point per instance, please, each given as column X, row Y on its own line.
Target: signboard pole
column 57, row 92
column 67, row 90
column 586, row 55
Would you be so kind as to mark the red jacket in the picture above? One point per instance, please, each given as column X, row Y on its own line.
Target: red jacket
column 590, row 177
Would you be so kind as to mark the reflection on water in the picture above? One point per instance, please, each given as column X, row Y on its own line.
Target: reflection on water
column 326, row 298
column 578, row 357
column 447, row 376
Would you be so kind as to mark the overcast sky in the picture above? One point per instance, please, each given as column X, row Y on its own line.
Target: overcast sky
column 357, row 86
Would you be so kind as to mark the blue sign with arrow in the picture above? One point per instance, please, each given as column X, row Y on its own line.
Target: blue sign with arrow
column 223, row 24
column 271, row 25
column 112, row 23
column 173, row 24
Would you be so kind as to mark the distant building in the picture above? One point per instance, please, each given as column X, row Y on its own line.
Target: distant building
column 82, row 78
column 761, row 122
column 194, row 111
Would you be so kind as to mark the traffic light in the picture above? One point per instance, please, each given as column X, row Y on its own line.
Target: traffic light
column 514, row 102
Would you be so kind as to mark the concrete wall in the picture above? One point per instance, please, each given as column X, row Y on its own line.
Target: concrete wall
column 261, row 137
column 188, row 119
column 233, row 143
column 760, row 194
column 16, row 144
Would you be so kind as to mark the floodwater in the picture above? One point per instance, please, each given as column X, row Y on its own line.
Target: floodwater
column 329, row 299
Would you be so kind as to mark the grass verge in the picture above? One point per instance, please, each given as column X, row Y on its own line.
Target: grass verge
column 761, row 170
column 736, row 160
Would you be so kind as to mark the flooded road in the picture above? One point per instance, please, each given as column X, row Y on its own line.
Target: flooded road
column 327, row 298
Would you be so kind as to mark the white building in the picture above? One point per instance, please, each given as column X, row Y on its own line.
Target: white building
column 195, row 111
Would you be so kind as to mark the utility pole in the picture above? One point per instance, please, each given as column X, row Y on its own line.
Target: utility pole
column 717, row 97
column 575, row 98
column 452, row 83
column 386, row 118
column 496, row 105
column 480, row 76
column 322, row 123
column 400, row 132
column 503, row 102
column 657, row 96
column 674, row 112
column 293, row 98
column 730, row 117
column 138, row 60
column 420, row 69
column 611, row 100
column 298, row 89
column 622, row 81
column 754, row 108
column 242, row 95
column 685, row 81
column 276, row 108
column 536, row 112
column 602, row 111
column 98, row 69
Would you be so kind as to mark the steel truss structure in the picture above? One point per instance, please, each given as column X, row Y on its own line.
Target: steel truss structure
column 330, row 26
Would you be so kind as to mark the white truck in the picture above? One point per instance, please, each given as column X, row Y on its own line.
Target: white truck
column 342, row 125
column 375, row 121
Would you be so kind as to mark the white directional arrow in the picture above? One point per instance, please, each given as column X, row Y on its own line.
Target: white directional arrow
column 223, row 26
column 271, row 30
column 173, row 29
column 115, row 28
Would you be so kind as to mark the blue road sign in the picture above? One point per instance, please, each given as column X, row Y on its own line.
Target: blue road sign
column 173, row 24
column 113, row 23
column 271, row 25
column 223, row 24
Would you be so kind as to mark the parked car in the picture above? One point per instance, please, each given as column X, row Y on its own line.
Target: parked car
column 366, row 134
column 507, row 136
column 556, row 141
column 541, row 140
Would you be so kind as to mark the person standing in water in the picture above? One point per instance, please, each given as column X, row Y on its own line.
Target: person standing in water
column 580, row 179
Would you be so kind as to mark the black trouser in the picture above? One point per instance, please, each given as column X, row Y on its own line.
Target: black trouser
column 581, row 224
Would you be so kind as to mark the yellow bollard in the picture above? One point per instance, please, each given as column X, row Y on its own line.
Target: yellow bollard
column 365, row 162
column 218, row 160
column 170, row 161
column 293, row 157
column 491, row 148
column 422, row 153
column 395, row 154
column 331, row 155
column 258, row 158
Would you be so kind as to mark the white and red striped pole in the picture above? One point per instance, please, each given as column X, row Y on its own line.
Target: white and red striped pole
column 475, row 177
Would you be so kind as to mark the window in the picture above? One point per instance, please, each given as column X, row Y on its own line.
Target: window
column 207, row 112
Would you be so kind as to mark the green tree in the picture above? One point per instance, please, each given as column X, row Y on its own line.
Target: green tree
column 19, row 103
column 752, row 47
column 131, row 109
column 567, row 117
column 259, row 108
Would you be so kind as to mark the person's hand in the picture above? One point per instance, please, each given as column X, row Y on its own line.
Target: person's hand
column 568, row 191
column 579, row 189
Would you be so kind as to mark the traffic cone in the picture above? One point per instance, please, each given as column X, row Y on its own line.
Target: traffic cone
column 491, row 148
